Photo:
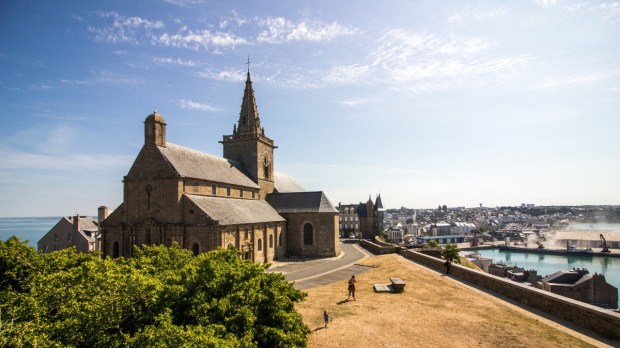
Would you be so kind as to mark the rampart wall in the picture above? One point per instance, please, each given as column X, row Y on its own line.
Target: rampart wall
column 585, row 315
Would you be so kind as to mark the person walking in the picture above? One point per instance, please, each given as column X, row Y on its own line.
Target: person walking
column 326, row 318
column 447, row 264
column 352, row 282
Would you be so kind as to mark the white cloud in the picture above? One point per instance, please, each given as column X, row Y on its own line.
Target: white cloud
column 199, row 39
column 402, row 57
column 185, row 3
column 188, row 104
column 11, row 159
column 124, row 29
column 278, row 29
column 346, row 74
column 224, row 75
column 76, row 82
column 176, row 61
column 356, row 102
column 476, row 15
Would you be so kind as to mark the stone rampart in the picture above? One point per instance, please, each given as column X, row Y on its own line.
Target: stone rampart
column 585, row 315
column 379, row 249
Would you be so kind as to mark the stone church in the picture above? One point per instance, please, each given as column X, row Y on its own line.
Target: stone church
column 174, row 194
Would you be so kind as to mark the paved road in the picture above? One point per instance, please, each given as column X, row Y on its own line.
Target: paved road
column 317, row 272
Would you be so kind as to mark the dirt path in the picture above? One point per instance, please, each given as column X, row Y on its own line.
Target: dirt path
column 434, row 310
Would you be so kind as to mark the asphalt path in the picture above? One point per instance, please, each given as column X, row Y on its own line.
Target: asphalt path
column 317, row 272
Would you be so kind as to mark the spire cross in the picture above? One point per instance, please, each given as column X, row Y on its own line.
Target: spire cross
column 248, row 63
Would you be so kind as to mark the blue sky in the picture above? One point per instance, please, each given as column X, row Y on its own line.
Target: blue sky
column 425, row 102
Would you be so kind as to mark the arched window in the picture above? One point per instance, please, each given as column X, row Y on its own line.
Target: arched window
column 196, row 249
column 115, row 249
column 270, row 241
column 280, row 240
column 260, row 244
column 308, row 234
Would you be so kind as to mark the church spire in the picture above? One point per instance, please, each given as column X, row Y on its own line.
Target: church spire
column 249, row 122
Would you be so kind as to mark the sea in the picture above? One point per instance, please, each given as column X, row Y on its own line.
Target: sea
column 30, row 229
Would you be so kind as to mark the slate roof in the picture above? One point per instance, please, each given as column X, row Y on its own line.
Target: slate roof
column 286, row 183
column 232, row 211
column 300, row 202
column 563, row 277
column 194, row 164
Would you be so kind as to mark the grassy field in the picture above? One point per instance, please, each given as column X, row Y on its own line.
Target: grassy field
column 434, row 311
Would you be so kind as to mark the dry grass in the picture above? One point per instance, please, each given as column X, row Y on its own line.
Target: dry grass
column 433, row 311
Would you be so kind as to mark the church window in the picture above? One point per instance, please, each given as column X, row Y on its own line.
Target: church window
column 55, row 236
column 69, row 236
column 45, row 248
column 253, row 193
column 280, row 240
column 228, row 191
column 196, row 249
column 115, row 249
column 214, row 189
column 356, row 226
column 241, row 193
column 270, row 241
column 260, row 244
column 346, row 218
column 341, row 218
column 356, row 218
column 308, row 234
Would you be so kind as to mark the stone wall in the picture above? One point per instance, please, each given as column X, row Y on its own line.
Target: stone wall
column 585, row 315
column 378, row 249
column 325, row 242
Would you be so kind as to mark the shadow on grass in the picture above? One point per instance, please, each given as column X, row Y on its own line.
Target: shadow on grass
column 319, row 328
column 343, row 302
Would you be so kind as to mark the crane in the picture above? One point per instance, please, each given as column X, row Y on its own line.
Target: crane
column 604, row 245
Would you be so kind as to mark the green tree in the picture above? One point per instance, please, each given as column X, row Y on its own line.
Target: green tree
column 450, row 252
column 433, row 244
column 162, row 297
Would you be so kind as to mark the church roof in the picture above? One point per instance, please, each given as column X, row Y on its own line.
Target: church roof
column 286, row 183
column 233, row 211
column 190, row 163
column 301, row 202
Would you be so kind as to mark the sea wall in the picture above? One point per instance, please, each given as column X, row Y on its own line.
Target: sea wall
column 585, row 315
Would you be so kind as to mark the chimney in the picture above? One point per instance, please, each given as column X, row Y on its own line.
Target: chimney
column 76, row 222
column 102, row 214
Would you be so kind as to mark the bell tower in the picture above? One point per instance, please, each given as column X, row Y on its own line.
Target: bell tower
column 248, row 143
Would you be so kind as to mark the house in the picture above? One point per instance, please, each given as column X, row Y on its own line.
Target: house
column 72, row 231
column 580, row 285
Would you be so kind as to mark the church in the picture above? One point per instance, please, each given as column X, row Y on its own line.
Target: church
column 174, row 194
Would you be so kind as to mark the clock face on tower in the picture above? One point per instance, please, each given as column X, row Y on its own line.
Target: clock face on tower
column 266, row 160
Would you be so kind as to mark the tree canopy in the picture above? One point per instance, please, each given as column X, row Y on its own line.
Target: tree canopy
column 162, row 297
column 450, row 252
